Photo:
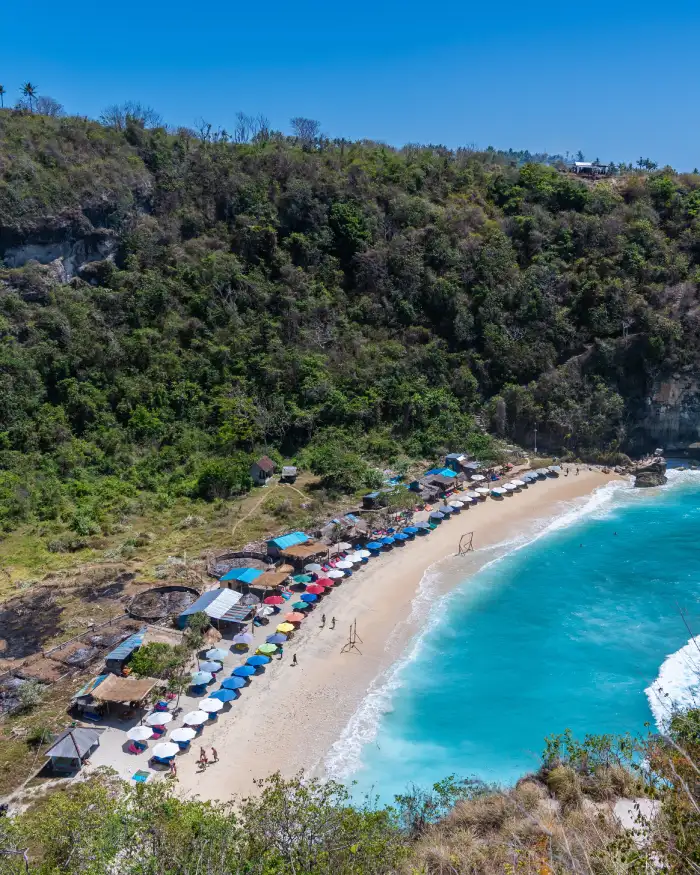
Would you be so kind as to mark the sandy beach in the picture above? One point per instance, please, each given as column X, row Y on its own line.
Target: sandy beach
column 289, row 717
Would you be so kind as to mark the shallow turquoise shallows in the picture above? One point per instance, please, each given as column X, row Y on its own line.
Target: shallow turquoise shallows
column 568, row 631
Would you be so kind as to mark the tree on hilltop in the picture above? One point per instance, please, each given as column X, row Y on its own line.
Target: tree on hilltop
column 2, row 96
column 29, row 92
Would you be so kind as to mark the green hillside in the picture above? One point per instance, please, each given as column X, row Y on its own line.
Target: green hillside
column 346, row 303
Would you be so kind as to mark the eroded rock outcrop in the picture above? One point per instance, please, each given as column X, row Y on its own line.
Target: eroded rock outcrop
column 651, row 472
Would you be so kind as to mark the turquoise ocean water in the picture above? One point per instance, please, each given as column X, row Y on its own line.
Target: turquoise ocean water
column 567, row 630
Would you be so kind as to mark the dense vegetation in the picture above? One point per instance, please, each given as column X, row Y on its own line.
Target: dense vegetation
column 557, row 821
column 347, row 303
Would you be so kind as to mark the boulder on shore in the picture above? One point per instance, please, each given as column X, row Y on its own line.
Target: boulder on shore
column 650, row 473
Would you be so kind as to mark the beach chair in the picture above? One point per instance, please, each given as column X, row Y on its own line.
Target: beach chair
column 133, row 749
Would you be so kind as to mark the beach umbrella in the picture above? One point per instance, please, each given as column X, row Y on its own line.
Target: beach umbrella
column 243, row 671
column 210, row 666
column 266, row 650
column 195, row 718
column 232, row 684
column 342, row 545
column 355, row 558
column 334, row 574
column 309, row 597
column 243, row 638
column 401, row 536
column 301, row 606
column 482, row 490
column 285, row 627
column 364, row 554
column 388, row 541
column 497, row 491
column 265, row 610
column 211, row 706
column 518, row 482
column 260, row 659
column 509, row 487
column 201, row 677
column 374, row 545
column 324, row 581
column 293, row 617
column 184, row 733
column 344, row 565
column 158, row 718
column 478, row 477
column 313, row 567
column 456, row 503
column 165, row 750
column 218, row 654
column 139, row 733
column 224, row 696
column 274, row 600
column 315, row 589
column 278, row 637
column 445, row 509
column 411, row 530
column 436, row 515
column 302, row 578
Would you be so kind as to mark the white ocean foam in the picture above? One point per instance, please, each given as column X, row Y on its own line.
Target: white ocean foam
column 345, row 756
column 677, row 686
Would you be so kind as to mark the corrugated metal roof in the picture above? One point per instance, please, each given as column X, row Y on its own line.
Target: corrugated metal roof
column 214, row 603
column 291, row 540
column 238, row 613
column 127, row 647
column 201, row 603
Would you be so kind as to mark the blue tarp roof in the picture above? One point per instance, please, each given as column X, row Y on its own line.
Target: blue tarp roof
column 245, row 575
column 290, row 540
column 443, row 472
column 127, row 647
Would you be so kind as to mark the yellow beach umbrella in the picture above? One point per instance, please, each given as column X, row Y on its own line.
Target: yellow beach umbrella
column 285, row 627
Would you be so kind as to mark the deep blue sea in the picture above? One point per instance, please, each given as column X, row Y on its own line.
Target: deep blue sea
column 569, row 629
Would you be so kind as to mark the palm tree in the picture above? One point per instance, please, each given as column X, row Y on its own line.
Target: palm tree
column 2, row 96
column 29, row 91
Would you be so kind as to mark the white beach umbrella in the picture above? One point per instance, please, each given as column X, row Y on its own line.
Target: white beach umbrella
column 211, row 706
column 139, row 733
column 217, row 654
column 364, row 554
column 518, row 482
column 510, row 487
column 478, row 477
column 455, row 503
column 335, row 575
column 184, row 733
column 243, row 638
column 165, row 749
column 345, row 565
column 265, row 611
column 482, row 490
column 355, row 557
column 497, row 490
column 158, row 718
column 343, row 545
column 195, row 718
column 312, row 566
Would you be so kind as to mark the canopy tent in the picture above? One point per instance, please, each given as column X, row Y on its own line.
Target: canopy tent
column 75, row 743
column 242, row 575
column 124, row 690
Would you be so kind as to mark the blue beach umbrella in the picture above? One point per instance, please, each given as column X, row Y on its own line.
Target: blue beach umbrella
column 373, row 545
column 257, row 660
column 300, row 606
column 309, row 597
column 387, row 542
column 233, row 683
column 400, row 536
column 200, row 678
column 277, row 638
column 411, row 530
column 445, row 509
column 224, row 695
column 210, row 666
column 302, row 578
column 243, row 671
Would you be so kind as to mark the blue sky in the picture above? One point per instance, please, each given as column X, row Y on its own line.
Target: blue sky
column 617, row 83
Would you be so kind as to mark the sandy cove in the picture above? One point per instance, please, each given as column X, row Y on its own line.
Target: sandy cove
column 290, row 717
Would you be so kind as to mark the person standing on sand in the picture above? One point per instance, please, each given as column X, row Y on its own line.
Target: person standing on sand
column 323, row 620
column 294, row 660
column 332, row 622
column 281, row 652
column 215, row 755
column 203, row 757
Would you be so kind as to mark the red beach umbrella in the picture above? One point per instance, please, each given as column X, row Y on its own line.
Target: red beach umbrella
column 324, row 581
column 294, row 617
column 274, row 600
column 316, row 589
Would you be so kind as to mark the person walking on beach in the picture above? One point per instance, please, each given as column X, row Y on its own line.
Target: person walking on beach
column 203, row 757
column 323, row 620
column 294, row 660
column 215, row 755
column 332, row 622
column 281, row 652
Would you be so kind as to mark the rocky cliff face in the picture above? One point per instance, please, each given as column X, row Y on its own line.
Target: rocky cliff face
column 671, row 415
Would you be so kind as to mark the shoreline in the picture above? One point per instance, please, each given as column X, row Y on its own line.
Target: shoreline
column 291, row 717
